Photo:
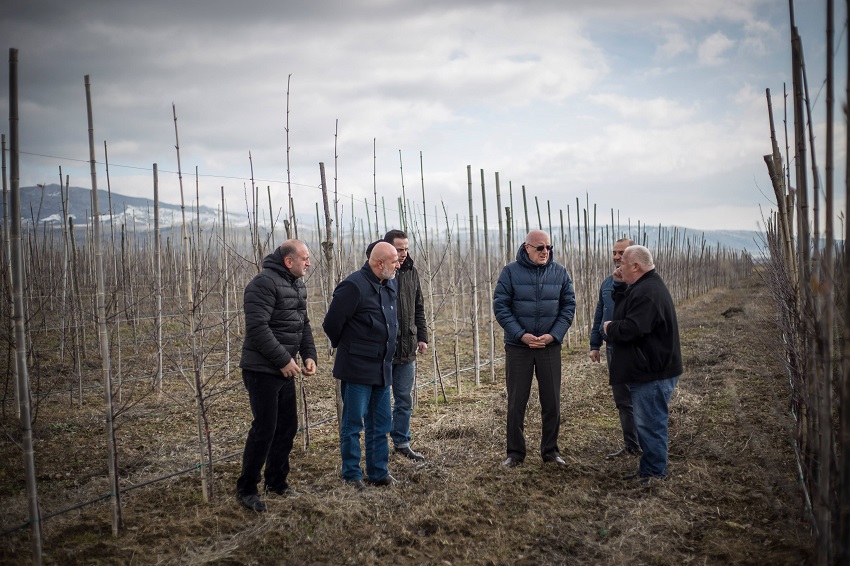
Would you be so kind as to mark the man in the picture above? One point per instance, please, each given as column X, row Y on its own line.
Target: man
column 622, row 395
column 535, row 303
column 362, row 325
column 276, row 329
column 412, row 339
column 647, row 356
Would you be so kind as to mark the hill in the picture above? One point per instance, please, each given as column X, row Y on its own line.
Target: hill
column 43, row 204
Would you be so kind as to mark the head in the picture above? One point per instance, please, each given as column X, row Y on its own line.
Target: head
column 619, row 247
column 384, row 261
column 637, row 261
column 399, row 241
column 538, row 246
column 296, row 257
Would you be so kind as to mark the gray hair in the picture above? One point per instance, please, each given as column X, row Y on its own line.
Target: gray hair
column 640, row 255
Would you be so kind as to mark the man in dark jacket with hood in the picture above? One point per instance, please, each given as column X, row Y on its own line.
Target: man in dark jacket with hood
column 535, row 303
column 647, row 355
column 361, row 324
column 412, row 339
column 276, row 329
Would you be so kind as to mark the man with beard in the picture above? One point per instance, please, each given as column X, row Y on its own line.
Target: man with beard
column 276, row 329
column 362, row 325
column 622, row 395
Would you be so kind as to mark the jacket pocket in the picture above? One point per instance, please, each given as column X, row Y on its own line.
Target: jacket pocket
column 365, row 349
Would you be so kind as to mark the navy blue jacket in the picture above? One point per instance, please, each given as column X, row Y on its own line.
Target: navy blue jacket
column 604, row 310
column 362, row 325
column 645, row 333
column 534, row 299
column 276, row 322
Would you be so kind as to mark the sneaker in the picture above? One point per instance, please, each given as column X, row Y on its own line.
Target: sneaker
column 252, row 502
column 408, row 452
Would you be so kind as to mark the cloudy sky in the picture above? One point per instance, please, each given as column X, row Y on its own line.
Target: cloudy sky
column 653, row 108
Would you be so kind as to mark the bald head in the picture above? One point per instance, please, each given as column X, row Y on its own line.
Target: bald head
column 637, row 261
column 384, row 260
column 538, row 246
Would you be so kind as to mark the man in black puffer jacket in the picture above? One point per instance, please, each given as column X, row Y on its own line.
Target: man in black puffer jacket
column 276, row 329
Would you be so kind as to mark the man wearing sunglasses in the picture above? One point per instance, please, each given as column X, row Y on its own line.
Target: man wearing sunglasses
column 534, row 303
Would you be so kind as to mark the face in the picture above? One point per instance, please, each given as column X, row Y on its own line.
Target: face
column 400, row 245
column 538, row 257
column 629, row 268
column 298, row 262
column 617, row 252
column 389, row 266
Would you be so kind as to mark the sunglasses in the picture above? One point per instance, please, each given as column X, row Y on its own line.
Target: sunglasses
column 540, row 248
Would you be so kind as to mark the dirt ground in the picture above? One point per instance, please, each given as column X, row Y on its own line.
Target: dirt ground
column 731, row 496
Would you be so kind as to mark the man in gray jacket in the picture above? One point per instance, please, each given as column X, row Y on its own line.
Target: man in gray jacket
column 276, row 329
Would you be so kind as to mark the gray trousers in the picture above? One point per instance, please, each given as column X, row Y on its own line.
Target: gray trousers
column 623, row 400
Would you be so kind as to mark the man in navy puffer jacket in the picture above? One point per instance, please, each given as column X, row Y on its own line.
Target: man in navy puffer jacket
column 534, row 303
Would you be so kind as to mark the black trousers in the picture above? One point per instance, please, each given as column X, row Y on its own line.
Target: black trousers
column 521, row 364
column 272, row 432
column 623, row 400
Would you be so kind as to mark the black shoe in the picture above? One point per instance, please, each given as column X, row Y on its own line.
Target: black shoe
column 252, row 502
column 624, row 451
column 285, row 492
column 408, row 452
column 511, row 462
column 649, row 480
column 385, row 481
column 356, row 484
column 554, row 457
column 632, row 476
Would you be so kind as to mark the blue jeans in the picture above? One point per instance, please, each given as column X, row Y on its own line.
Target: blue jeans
column 403, row 378
column 650, row 401
column 369, row 405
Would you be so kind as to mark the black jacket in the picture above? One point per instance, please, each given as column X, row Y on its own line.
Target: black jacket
column 645, row 332
column 276, row 323
column 412, row 327
column 362, row 324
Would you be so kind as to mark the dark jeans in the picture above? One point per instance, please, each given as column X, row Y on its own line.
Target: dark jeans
column 521, row 363
column 272, row 432
column 623, row 400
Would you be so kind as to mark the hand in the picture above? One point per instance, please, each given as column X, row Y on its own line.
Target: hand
column 618, row 275
column 309, row 367
column 421, row 347
column 546, row 339
column 594, row 356
column 291, row 369
column 533, row 341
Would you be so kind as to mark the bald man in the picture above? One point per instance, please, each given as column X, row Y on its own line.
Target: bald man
column 534, row 303
column 647, row 355
column 362, row 325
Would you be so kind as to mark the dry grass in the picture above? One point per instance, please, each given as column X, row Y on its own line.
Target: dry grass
column 731, row 497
